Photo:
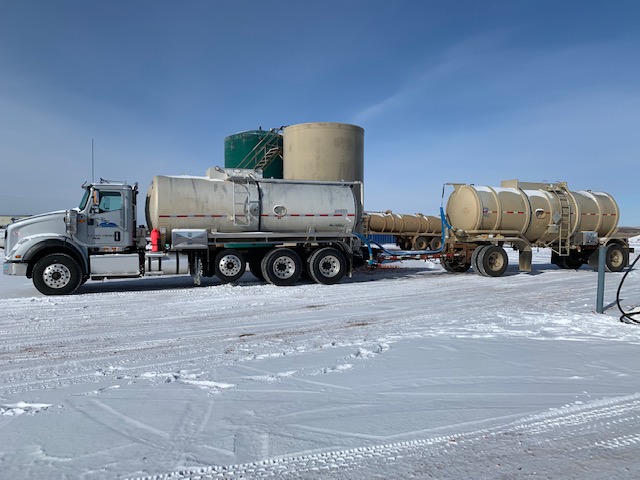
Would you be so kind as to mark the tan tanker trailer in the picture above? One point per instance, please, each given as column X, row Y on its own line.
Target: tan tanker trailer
column 525, row 215
column 412, row 232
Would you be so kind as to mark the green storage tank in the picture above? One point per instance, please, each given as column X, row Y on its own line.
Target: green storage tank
column 255, row 149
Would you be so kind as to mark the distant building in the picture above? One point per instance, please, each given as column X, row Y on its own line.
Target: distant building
column 7, row 219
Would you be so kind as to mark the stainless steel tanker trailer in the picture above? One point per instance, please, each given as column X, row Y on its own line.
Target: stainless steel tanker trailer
column 522, row 215
column 202, row 226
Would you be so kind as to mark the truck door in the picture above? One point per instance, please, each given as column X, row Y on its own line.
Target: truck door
column 106, row 220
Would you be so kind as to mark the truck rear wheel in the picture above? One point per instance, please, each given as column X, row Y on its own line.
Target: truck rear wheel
column 492, row 261
column 230, row 265
column 255, row 267
column 281, row 267
column 327, row 266
column 57, row 274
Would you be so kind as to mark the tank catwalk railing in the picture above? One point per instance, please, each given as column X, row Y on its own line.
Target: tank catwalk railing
column 265, row 151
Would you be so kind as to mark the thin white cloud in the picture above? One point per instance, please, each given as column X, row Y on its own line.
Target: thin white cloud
column 454, row 61
column 488, row 67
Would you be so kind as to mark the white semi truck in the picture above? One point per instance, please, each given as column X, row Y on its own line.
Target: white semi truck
column 201, row 226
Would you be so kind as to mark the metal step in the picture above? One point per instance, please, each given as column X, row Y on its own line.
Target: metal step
column 268, row 157
column 265, row 151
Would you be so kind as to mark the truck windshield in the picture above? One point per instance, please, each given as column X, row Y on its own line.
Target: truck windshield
column 85, row 197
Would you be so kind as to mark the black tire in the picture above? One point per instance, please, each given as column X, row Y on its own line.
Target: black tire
column 254, row 259
column 255, row 267
column 474, row 258
column 230, row 265
column 455, row 265
column 327, row 266
column 617, row 258
column 435, row 243
column 281, row 267
column 568, row 262
column 421, row 243
column 492, row 261
column 57, row 274
column 403, row 243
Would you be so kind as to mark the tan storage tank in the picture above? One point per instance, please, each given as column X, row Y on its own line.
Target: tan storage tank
column 534, row 210
column 323, row 151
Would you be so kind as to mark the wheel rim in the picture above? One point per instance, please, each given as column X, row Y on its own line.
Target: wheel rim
column 329, row 266
column 229, row 265
column 284, row 268
column 421, row 243
column 616, row 258
column 495, row 261
column 56, row 276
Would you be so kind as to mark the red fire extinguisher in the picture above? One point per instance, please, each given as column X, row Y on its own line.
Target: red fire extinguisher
column 155, row 240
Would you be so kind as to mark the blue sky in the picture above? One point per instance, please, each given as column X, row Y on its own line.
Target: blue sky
column 457, row 91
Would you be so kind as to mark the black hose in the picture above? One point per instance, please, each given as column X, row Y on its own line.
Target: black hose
column 627, row 317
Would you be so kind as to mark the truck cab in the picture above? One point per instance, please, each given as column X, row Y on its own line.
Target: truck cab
column 105, row 220
column 57, row 249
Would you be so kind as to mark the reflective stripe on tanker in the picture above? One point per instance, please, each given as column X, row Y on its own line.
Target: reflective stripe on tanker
column 265, row 215
column 584, row 214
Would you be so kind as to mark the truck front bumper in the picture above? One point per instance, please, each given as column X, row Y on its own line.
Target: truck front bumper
column 15, row 269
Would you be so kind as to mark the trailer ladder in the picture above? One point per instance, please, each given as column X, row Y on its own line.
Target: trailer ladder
column 241, row 202
column 564, row 225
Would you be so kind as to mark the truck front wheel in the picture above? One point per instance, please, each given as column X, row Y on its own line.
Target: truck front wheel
column 57, row 274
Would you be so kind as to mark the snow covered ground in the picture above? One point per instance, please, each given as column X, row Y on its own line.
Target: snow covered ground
column 405, row 372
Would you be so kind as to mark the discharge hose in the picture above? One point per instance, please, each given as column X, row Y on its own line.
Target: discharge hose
column 627, row 317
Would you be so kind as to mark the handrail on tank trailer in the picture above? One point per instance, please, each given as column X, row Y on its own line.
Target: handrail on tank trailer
column 404, row 254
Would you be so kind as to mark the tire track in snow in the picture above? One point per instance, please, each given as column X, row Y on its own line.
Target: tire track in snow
column 169, row 330
column 583, row 426
column 121, row 347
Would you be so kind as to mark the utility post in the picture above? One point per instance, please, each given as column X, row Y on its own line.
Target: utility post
column 602, row 254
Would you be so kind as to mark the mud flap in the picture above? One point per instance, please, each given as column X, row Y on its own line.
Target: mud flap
column 525, row 258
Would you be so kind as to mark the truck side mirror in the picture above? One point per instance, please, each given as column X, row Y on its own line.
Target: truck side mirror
column 95, row 202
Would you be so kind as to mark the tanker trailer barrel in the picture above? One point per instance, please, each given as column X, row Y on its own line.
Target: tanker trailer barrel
column 395, row 223
column 412, row 232
column 531, row 214
column 540, row 212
